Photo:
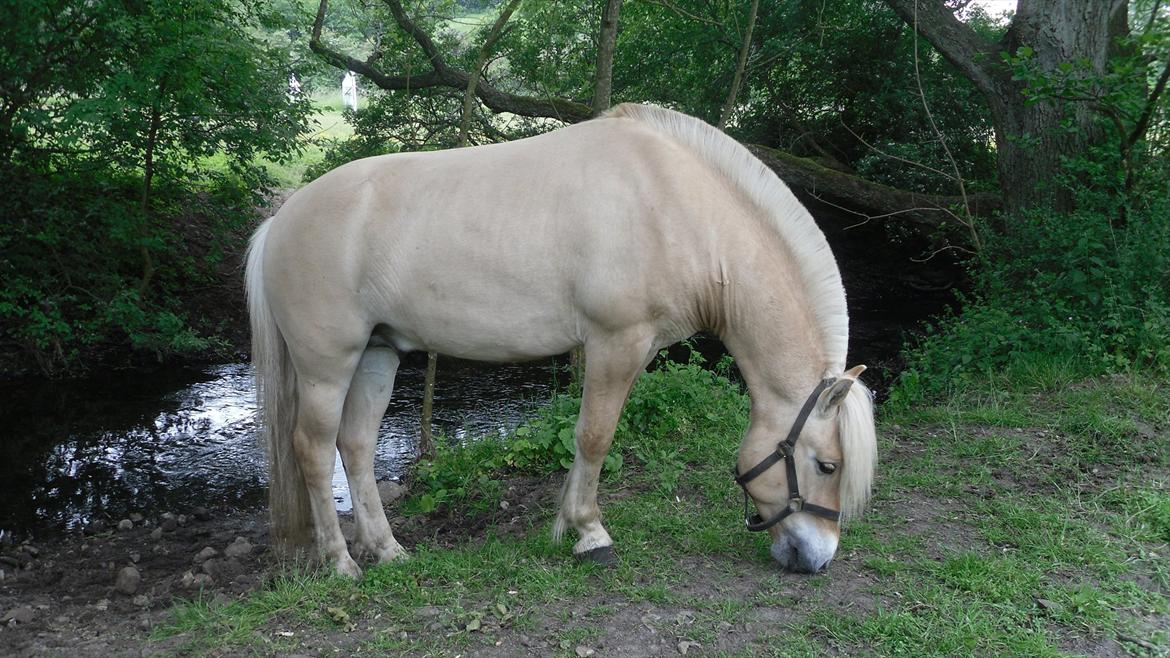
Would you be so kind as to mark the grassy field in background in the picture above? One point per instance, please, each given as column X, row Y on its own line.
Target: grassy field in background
column 1007, row 522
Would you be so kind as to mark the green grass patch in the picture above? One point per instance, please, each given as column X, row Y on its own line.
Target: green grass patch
column 973, row 546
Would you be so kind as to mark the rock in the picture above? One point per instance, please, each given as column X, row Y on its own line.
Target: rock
column 201, row 581
column 95, row 527
column 239, row 548
column 33, row 551
column 187, row 580
column 223, row 569
column 687, row 645
column 22, row 615
column 428, row 612
column 504, row 505
column 1045, row 604
column 182, row 519
column 156, row 534
column 128, row 580
column 136, row 518
column 125, row 524
column 142, row 601
column 583, row 651
column 206, row 554
column 169, row 525
column 201, row 514
column 102, row 605
column 135, row 557
column 389, row 491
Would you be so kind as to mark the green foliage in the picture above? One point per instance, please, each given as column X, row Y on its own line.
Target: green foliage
column 1055, row 288
column 108, row 215
column 666, row 407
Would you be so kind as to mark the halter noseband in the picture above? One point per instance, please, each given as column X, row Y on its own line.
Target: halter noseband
column 786, row 451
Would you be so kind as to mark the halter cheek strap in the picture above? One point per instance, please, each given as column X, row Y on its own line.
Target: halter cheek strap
column 786, row 451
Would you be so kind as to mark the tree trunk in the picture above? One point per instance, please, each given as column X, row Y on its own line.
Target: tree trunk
column 481, row 61
column 740, row 65
column 1033, row 137
column 606, row 42
column 144, row 201
column 426, row 443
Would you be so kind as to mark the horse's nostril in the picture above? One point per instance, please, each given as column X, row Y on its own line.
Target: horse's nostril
column 793, row 556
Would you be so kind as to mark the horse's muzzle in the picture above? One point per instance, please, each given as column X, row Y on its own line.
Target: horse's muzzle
column 804, row 555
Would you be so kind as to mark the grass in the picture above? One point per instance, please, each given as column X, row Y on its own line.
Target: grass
column 1028, row 521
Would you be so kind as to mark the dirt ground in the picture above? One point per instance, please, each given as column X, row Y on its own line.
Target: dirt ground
column 106, row 592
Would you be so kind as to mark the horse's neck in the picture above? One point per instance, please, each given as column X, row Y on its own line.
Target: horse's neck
column 769, row 327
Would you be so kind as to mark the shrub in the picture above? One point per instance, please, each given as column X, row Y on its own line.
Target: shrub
column 1072, row 289
column 674, row 412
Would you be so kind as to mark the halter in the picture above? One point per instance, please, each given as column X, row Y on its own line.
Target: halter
column 786, row 451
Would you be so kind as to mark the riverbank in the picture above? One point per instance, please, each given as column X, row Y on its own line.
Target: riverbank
column 1005, row 522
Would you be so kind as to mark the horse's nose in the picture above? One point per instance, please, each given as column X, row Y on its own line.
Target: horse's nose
column 791, row 557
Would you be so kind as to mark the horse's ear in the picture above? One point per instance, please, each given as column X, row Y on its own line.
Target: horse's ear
column 835, row 393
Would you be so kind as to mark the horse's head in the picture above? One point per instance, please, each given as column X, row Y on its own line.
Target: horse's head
column 829, row 444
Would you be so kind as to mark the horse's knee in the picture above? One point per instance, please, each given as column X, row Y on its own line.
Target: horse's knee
column 593, row 445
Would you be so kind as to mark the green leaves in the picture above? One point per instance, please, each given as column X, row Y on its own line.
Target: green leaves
column 113, row 113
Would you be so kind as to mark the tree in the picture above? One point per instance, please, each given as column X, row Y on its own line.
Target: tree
column 549, row 51
column 1046, row 82
column 109, row 114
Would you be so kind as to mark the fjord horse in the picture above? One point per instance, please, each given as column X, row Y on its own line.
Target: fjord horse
column 623, row 235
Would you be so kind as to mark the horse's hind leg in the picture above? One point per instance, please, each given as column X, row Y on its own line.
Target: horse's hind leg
column 612, row 363
column 322, row 384
column 365, row 404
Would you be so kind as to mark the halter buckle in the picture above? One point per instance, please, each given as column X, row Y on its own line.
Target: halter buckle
column 795, row 504
column 786, row 449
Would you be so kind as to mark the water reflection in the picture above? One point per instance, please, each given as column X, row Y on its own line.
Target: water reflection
column 106, row 447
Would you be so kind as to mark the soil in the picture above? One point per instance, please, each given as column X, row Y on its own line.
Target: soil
column 70, row 596
column 63, row 596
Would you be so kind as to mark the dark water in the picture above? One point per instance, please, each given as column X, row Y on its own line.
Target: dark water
column 184, row 437
column 103, row 448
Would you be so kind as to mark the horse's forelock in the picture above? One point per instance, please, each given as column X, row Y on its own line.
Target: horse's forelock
column 855, row 427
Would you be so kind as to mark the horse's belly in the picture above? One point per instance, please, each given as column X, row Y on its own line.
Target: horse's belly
column 503, row 330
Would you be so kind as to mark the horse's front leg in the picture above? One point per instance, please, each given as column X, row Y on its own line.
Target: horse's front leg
column 612, row 364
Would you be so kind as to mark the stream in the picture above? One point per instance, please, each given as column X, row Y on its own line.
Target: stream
column 182, row 437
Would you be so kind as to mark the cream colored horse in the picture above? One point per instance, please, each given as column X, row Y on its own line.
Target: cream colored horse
column 623, row 234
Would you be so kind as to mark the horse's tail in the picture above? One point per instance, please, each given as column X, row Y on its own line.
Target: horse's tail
column 288, row 498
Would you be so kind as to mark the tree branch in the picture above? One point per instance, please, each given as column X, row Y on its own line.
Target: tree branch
column 443, row 74
column 927, row 210
column 962, row 47
column 1143, row 123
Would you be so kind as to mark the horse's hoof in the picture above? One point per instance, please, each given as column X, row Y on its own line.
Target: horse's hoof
column 347, row 568
column 603, row 555
column 392, row 554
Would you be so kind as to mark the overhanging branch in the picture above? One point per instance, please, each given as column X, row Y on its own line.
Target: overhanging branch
column 872, row 199
column 442, row 74
column 973, row 55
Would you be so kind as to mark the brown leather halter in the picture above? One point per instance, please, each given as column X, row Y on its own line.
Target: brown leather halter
column 786, row 451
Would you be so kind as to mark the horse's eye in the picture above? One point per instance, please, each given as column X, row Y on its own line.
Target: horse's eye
column 828, row 468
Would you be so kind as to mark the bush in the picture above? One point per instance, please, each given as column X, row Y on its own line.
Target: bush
column 667, row 409
column 1070, row 289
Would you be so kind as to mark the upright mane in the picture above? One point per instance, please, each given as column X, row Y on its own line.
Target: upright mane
column 814, row 259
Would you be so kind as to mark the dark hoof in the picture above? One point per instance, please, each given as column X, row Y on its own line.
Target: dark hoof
column 603, row 555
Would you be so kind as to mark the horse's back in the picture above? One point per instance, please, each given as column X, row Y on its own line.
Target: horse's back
column 512, row 249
